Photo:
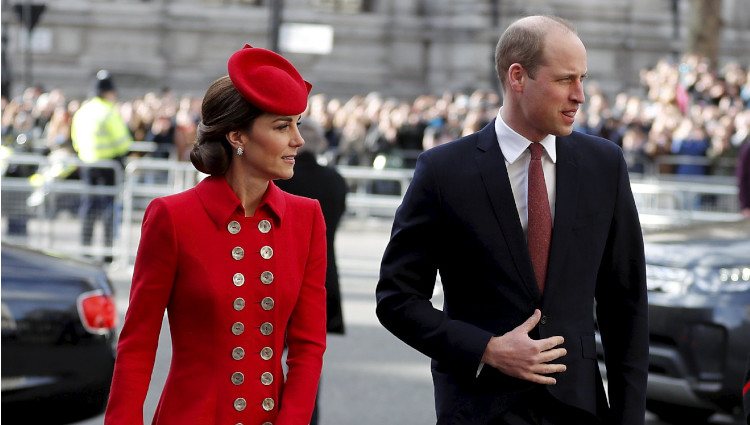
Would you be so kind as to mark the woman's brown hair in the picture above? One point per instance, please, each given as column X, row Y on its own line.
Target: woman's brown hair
column 223, row 110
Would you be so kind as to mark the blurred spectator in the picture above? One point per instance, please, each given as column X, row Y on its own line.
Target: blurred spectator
column 327, row 186
column 743, row 179
column 99, row 133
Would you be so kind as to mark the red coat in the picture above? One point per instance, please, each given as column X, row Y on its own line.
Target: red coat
column 208, row 265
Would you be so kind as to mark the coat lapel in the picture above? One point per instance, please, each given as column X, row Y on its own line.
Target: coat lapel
column 491, row 164
column 566, row 188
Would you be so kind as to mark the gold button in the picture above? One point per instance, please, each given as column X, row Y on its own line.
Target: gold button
column 264, row 226
column 268, row 404
column 266, row 252
column 267, row 303
column 238, row 353
column 238, row 253
column 238, row 279
column 266, row 277
column 266, row 353
column 234, row 227
column 239, row 304
column 266, row 328
column 238, row 328
column 240, row 404
column 238, row 378
column 266, row 378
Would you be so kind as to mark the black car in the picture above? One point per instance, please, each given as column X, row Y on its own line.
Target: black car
column 699, row 320
column 58, row 336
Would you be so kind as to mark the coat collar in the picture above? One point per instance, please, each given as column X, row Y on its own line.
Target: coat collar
column 221, row 203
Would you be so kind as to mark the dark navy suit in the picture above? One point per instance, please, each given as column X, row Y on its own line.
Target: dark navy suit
column 459, row 218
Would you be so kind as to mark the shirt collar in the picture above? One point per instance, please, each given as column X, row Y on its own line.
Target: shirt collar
column 513, row 144
column 221, row 203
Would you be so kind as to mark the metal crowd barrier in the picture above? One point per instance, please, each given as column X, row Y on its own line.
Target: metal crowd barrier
column 54, row 224
column 44, row 215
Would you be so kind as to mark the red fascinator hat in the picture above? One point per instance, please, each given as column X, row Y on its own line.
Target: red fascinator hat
column 268, row 81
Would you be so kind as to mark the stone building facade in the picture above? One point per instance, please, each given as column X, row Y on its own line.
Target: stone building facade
column 397, row 47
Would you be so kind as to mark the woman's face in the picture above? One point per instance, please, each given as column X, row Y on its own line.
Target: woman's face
column 271, row 146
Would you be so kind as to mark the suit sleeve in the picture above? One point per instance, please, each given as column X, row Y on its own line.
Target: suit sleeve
column 306, row 333
column 153, row 277
column 407, row 281
column 622, row 309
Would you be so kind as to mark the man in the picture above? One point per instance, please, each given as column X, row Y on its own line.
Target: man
column 327, row 186
column 514, row 343
column 743, row 178
column 99, row 133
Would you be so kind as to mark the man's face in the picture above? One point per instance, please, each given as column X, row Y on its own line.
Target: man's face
column 550, row 100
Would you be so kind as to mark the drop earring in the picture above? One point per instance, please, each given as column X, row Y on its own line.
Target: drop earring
column 240, row 151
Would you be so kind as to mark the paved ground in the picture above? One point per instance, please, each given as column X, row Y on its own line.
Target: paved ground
column 370, row 377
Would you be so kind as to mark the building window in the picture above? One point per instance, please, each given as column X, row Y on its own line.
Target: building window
column 344, row 6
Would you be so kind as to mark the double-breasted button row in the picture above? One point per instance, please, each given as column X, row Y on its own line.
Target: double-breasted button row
column 240, row 404
column 238, row 378
column 234, row 226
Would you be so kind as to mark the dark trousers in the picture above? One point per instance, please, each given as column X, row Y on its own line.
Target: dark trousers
column 538, row 407
column 95, row 207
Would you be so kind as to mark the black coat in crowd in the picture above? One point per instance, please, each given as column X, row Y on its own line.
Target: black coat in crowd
column 327, row 186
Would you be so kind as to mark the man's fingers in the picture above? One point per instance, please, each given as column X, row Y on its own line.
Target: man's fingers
column 531, row 322
column 550, row 343
column 548, row 368
column 550, row 355
column 540, row 379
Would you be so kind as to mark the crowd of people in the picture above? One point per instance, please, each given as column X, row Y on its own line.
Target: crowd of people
column 683, row 109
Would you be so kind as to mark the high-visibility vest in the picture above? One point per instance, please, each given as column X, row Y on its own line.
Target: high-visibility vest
column 98, row 131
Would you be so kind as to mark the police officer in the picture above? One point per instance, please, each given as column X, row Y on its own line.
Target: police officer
column 99, row 133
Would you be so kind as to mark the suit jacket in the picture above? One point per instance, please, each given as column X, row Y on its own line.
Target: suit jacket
column 459, row 217
column 325, row 184
column 237, row 290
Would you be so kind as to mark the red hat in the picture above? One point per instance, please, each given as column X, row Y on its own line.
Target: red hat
column 268, row 81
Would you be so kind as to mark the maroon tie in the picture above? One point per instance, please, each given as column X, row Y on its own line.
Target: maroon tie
column 540, row 217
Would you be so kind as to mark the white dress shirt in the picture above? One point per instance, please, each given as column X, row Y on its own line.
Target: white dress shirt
column 517, row 155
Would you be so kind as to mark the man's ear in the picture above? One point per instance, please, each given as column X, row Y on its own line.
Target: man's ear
column 516, row 77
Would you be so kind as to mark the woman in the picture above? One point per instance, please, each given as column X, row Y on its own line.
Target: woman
column 238, row 265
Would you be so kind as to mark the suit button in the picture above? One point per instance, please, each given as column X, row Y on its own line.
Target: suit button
column 266, row 252
column 267, row 303
column 268, row 404
column 266, row 378
column 238, row 253
column 234, row 227
column 264, row 226
column 238, row 353
column 238, row 328
column 238, row 378
column 266, row 277
column 543, row 320
column 240, row 404
column 238, row 279
column 266, row 353
column 266, row 328
column 239, row 304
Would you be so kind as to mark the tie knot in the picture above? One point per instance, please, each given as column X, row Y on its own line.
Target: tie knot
column 536, row 150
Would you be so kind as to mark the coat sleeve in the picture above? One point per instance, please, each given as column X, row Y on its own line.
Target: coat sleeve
column 622, row 309
column 153, row 277
column 407, row 281
column 306, row 333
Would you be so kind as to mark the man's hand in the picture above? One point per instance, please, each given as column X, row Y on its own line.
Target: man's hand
column 517, row 355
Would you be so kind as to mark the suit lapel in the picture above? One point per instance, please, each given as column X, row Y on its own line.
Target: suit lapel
column 566, row 188
column 491, row 164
